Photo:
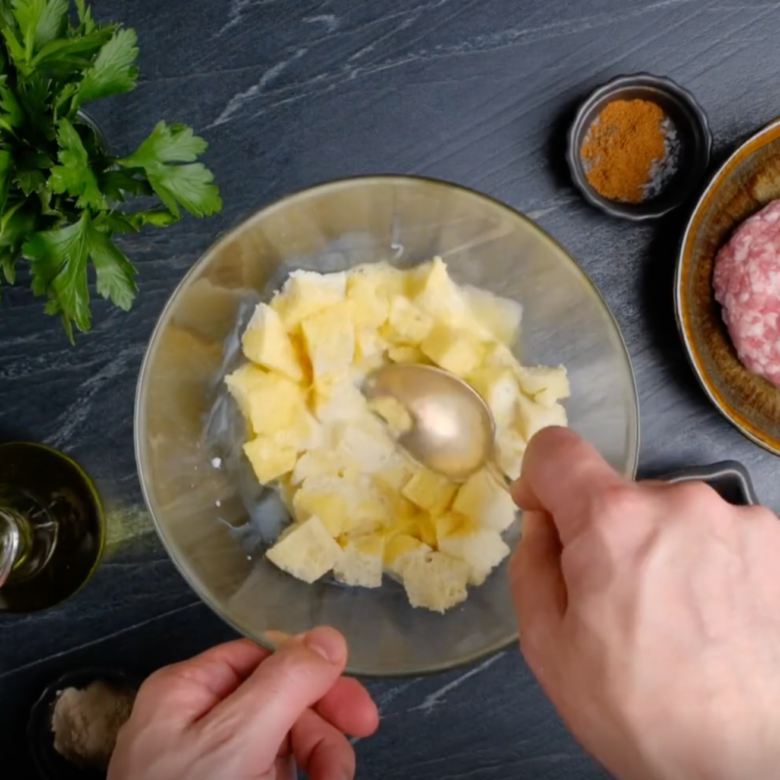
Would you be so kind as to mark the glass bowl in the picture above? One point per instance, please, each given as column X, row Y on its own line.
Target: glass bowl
column 194, row 483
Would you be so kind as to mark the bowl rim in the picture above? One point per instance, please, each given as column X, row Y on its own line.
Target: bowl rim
column 747, row 148
column 613, row 87
column 162, row 321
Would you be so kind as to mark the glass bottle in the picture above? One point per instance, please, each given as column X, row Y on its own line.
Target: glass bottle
column 51, row 527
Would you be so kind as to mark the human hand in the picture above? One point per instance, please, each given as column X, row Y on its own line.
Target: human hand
column 650, row 613
column 238, row 712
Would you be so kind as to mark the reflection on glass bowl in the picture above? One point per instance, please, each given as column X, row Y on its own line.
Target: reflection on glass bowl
column 212, row 516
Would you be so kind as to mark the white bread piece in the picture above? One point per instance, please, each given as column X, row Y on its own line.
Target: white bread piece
column 456, row 350
column 400, row 549
column 269, row 401
column 499, row 388
column 545, row 385
column 365, row 442
column 510, row 450
column 305, row 293
column 532, row 417
column 361, row 561
column 269, row 460
column 485, row 502
column 479, row 548
column 435, row 293
column 265, row 342
column 406, row 324
column 329, row 338
column 306, row 551
column 338, row 402
column 429, row 491
column 435, row 581
column 499, row 316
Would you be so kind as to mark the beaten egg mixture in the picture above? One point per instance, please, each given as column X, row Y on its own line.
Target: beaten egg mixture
column 360, row 506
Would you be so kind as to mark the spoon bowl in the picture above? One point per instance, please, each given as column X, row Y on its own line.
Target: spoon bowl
column 453, row 430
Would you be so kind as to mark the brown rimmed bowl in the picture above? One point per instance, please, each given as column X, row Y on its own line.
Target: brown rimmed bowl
column 747, row 182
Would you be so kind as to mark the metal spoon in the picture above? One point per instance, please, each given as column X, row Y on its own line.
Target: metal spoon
column 453, row 429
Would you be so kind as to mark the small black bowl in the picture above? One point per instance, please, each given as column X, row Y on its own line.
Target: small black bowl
column 49, row 764
column 692, row 126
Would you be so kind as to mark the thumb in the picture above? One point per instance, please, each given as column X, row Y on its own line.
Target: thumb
column 270, row 701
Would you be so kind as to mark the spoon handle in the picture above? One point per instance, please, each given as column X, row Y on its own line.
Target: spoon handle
column 498, row 476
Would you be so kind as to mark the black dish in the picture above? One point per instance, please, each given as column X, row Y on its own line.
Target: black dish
column 49, row 764
column 691, row 123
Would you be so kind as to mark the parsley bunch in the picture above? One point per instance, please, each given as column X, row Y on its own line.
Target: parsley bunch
column 62, row 197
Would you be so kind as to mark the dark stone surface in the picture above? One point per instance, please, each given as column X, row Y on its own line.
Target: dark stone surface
column 293, row 92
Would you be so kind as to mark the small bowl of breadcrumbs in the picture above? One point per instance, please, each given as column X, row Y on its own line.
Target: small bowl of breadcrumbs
column 639, row 147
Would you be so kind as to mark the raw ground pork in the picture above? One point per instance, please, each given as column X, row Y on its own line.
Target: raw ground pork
column 747, row 286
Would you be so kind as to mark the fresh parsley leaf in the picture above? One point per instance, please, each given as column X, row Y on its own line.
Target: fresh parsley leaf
column 11, row 113
column 113, row 71
column 190, row 186
column 64, row 56
column 86, row 22
column 6, row 172
column 40, row 21
column 120, row 222
column 8, row 265
column 114, row 273
column 74, row 175
column 117, row 184
column 59, row 269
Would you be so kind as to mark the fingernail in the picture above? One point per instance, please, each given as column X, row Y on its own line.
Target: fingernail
column 327, row 643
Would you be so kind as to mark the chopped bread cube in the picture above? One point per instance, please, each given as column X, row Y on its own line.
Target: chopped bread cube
column 307, row 551
column 456, row 351
column 479, row 548
column 338, row 402
column 269, row 460
column 394, row 413
column 305, row 293
column 485, row 502
column 429, row 491
column 370, row 350
column 305, row 433
column 405, row 354
column 499, row 316
column 322, row 498
column 400, row 549
column 500, row 390
column 545, row 385
column 436, row 294
column 382, row 278
column 265, row 341
column 532, row 417
column 435, row 581
column 319, row 463
column 361, row 562
column 369, row 307
column 406, row 324
column 510, row 450
column 500, row 357
column 269, row 401
column 396, row 472
column 329, row 337
column 364, row 441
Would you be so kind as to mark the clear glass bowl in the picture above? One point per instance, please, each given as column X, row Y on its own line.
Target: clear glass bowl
column 194, row 485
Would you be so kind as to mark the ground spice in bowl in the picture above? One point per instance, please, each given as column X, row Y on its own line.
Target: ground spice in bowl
column 631, row 151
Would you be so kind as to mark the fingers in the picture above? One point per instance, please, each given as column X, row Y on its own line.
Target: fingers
column 271, row 700
column 321, row 750
column 561, row 475
column 535, row 573
column 191, row 688
column 350, row 708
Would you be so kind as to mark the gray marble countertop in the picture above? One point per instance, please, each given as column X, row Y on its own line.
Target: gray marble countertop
column 294, row 92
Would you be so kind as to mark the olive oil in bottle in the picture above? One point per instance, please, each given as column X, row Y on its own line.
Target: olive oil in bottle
column 51, row 527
